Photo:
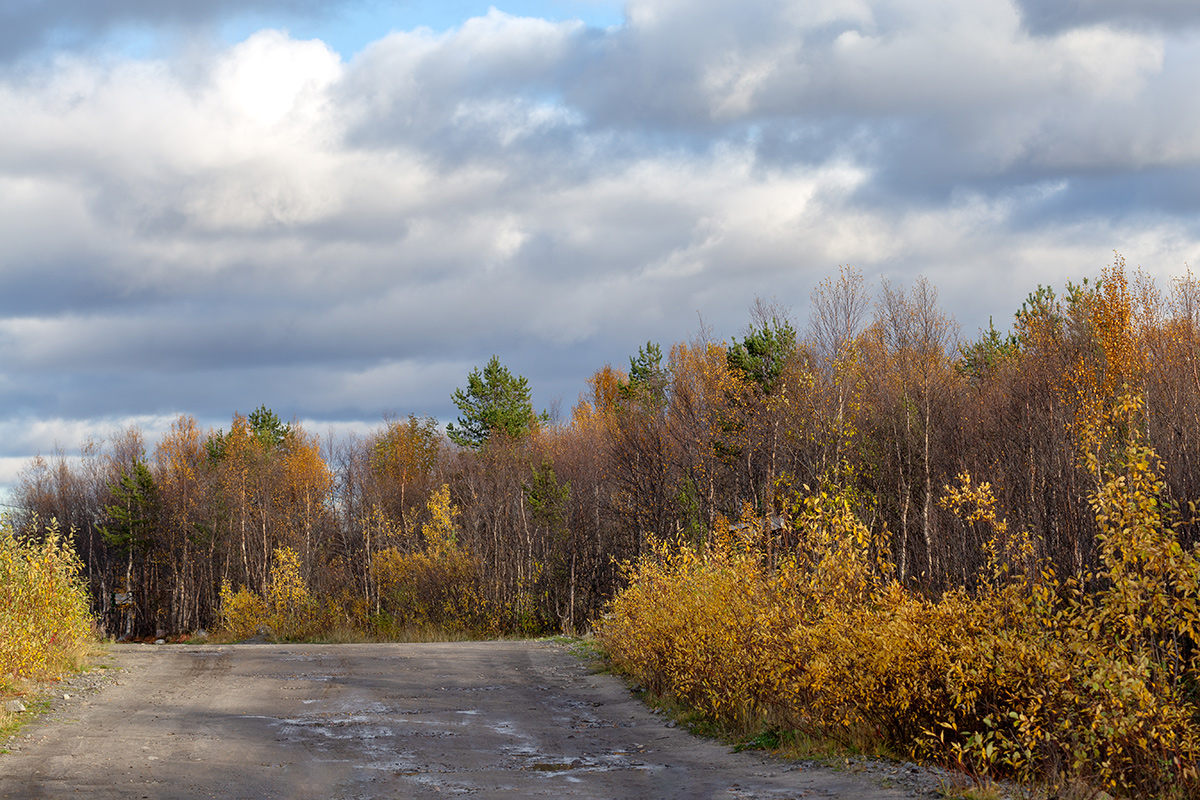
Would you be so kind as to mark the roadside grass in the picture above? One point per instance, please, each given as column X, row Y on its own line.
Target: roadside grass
column 585, row 648
column 12, row 723
column 798, row 746
column 35, row 694
column 792, row 745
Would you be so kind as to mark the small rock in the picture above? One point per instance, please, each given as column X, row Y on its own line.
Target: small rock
column 66, row 697
column 160, row 641
column 14, row 706
column 671, row 724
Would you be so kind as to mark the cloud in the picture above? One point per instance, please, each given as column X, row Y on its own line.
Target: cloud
column 1054, row 16
column 267, row 222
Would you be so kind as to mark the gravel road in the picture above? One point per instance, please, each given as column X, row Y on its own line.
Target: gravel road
column 490, row 719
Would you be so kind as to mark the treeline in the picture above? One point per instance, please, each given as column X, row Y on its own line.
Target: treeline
column 877, row 395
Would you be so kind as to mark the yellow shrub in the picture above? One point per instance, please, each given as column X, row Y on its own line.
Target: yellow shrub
column 243, row 613
column 686, row 626
column 1093, row 686
column 45, row 625
column 294, row 611
column 438, row 586
column 1025, row 677
column 288, row 612
column 425, row 589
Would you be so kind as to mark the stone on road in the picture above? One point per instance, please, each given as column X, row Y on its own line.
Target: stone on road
column 489, row 719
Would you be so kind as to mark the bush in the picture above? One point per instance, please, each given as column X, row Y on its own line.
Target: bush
column 1082, row 683
column 288, row 612
column 295, row 613
column 436, row 587
column 45, row 625
column 243, row 613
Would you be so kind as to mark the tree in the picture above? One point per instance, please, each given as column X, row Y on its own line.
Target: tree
column 762, row 355
column 403, row 457
column 263, row 424
column 131, row 514
column 131, row 525
column 648, row 379
column 913, row 377
column 269, row 429
column 495, row 401
column 979, row 359
column 184, row 529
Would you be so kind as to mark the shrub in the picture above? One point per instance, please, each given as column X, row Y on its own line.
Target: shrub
column 436, row 587
column 243, row 613
column 45, row 625
column 1094, row 681
column 294, row 612
column 289, row 610
column 1087, row 682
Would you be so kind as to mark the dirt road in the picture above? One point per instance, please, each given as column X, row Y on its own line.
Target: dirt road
column 490, row 719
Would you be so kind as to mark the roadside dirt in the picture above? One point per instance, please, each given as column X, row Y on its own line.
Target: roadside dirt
column 489, row 719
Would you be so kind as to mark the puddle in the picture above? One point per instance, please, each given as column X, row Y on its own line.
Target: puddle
column 553, row 766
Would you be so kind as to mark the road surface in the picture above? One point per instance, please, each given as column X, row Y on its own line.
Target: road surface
column 484, row 719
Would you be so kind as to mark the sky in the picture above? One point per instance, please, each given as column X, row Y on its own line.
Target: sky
column 337, row 209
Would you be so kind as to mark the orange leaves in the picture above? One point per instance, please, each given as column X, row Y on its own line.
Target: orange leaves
column 406, row 452
column 179, row 455
column 1115, row 360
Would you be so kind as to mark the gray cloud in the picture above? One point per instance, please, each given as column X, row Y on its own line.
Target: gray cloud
column 1054, row 16
column 269, row 223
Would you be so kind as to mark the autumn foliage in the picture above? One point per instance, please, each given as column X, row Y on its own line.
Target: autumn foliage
column 1072, row 666
column 45, row 627
column 978, row 551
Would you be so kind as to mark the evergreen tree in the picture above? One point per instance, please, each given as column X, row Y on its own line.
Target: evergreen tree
column 648, row 379
column 267, row 426
column 763, row 354
column 131, row 514
column 495, row 401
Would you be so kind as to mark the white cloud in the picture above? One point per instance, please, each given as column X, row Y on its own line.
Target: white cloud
column 266, row 223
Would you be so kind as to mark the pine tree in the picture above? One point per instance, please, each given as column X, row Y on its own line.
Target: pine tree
column 496, row 401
